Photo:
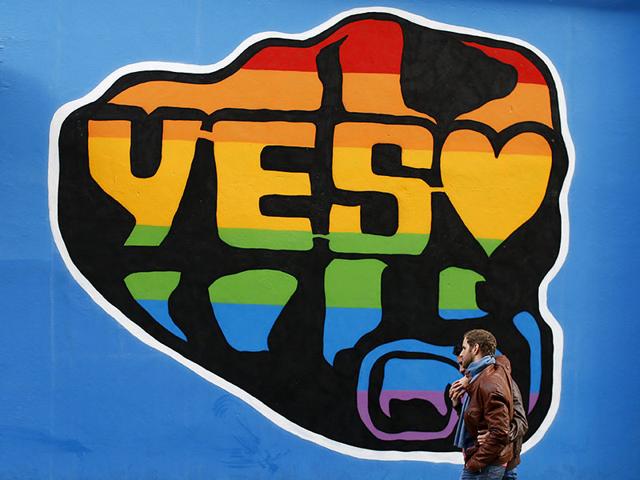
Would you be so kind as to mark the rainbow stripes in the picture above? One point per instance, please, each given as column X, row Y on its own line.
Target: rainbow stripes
column 529, row 101
column 353, row 303
column 407, row 379
column 242, row 182
column 493, row 195
column 246, row 304
column 152, row 201
column 151, row 290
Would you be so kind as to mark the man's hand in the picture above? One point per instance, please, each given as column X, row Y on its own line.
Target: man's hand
column 482, row 436
column 457, row 389
column 472, row 469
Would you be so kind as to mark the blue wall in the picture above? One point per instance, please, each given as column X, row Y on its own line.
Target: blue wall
column 82, row 398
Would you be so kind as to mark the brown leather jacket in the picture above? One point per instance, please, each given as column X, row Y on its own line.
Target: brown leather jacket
column 490, row 408
column 519, row 424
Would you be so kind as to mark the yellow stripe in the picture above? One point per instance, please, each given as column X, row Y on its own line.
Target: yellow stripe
column 242, row 181
column 154, row 200
column 352, row 172
column 493, row 196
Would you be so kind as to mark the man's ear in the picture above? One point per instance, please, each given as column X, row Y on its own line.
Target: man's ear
column 475, row 349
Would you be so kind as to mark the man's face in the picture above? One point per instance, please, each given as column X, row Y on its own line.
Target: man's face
column 467, row 355
column 459, row 360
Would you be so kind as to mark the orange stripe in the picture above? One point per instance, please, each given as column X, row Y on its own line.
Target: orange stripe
column 527, row 102
column 362, row 92
column 251, row 89
column 109, row 128
column 375, row 93
column 267, row 133
column 355, row 134
column 470, row 141
column 171, row 129
column 363, row 135
column 381, row 93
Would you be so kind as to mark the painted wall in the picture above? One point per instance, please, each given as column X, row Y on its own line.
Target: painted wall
column 85, row 398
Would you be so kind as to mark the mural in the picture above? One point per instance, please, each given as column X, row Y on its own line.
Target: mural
column 314, row 223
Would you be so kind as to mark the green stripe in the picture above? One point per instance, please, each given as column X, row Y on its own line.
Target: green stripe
column 152, row 285
column 348, row 284
column 489, row 244
column 402, row 243
column 254, row 287
column 269, row 239
column 353, row 283
column 457, row 289
column 146, row 235
column 405, row 243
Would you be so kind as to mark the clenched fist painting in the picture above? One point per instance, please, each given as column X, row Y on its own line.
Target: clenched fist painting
column 314, row 222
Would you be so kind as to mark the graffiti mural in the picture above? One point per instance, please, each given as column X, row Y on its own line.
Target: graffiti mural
column 315, row 222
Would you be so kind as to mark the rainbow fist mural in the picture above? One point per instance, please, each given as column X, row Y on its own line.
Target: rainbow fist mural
column 315, row 222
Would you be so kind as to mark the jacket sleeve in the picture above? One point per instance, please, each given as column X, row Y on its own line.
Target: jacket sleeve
column 519, row 424
column 497, row 418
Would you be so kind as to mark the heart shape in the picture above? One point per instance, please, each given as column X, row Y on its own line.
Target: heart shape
column 495, row 195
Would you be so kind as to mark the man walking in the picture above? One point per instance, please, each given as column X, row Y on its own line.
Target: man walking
column 488, row 406
column 517, row 428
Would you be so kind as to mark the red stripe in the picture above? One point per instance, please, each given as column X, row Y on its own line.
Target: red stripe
column 527, row 71
column 371, row 46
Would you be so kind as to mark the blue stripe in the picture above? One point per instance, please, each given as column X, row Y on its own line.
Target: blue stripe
column 246, row 327
column 407, row 345
column 159, row 310
column 418, row 374
column 452, row 314
column 343, row 327
column 528, row 326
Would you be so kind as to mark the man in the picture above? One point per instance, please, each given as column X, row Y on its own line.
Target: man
column 488, row 406
column 519, row 424
column 517, row 428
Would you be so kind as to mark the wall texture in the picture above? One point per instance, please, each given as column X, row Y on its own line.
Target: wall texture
column 404, row 177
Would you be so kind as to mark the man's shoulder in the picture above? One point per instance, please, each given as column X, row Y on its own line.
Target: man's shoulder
column 493, row 380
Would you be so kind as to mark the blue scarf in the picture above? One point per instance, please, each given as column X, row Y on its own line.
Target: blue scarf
column 463, row 439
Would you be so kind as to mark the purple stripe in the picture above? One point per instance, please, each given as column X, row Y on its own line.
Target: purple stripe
column 436, row 398
column 533, row 399
column 363, row 410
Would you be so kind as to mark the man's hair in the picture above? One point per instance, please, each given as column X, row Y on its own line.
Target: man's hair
column 485, row 341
